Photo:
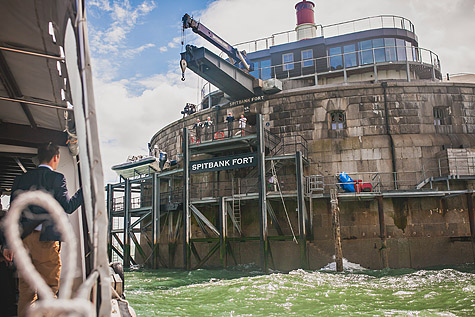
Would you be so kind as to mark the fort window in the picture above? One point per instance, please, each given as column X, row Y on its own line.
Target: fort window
column 262, row 69
column 266, row 71
column 390, row 45
column 255, row 72
column 288, row 61
column 366, row 52
column 336, row 60
column 440, row 116
column 307, row 58
column 350, row 55
column 337, row 120
column 401, row 49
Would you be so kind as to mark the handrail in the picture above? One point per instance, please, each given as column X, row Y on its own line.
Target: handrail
column 398, row 22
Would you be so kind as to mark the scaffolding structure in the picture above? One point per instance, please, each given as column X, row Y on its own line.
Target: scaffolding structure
column 203, row 210
column 147, row 204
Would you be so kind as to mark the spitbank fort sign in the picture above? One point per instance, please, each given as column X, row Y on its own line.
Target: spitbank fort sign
column 224, row 163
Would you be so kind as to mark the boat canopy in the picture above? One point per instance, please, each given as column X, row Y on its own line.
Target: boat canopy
column 34, row 86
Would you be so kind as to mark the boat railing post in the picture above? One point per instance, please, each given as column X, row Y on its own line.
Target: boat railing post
column 186, row 202
column 264, row 246
column 155, row 220
column 110, row 207
column 222, row 233
column 126, row 236
column 302, row 217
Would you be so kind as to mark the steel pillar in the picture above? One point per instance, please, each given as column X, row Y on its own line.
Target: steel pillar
column 223, row 231
column 155, row 220
column 186, row 201
column 264, row 243
column 301, row 210
column 127, row 205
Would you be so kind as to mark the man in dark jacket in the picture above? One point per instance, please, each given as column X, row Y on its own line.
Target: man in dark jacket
column 40, row 237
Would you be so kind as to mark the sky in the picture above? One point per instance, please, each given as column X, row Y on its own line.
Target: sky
column 136, row 44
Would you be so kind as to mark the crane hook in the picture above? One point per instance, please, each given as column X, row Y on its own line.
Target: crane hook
column 183, row 68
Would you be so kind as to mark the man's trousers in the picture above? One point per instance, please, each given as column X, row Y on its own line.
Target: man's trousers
column 46, row 259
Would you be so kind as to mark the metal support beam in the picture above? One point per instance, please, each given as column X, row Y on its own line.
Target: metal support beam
column 110, row 206
column 264, row 244
column 127, row 205
column 204, row 219
column 155, row 220
column 274, row 219
column 186, row 201
column 223, row 232
column 310, row 234
column 301, row 210
column 382, row 233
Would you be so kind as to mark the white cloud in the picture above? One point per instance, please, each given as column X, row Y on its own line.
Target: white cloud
column 163, row 49
column 127, row 123
column 124, row 18
column 134, row 51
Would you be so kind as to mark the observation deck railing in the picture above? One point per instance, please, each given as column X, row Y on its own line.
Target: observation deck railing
column 220, row 131
column 358, row 25
column 434, row 175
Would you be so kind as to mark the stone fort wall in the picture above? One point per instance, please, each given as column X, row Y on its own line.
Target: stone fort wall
column 421, row 231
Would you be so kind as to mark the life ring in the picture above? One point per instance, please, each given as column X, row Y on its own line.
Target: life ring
column 219, row 135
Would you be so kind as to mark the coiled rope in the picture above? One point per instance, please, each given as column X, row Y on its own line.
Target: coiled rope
column 48, row 303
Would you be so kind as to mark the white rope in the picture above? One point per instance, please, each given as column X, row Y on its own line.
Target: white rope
column 274, row 174
column 48, row 303
column 23, row 261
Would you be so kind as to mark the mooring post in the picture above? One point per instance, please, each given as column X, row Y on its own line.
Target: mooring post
column 110, row 207
column 155, row 220
column 382, row 233
column 222, row 231
column 301, row 211
column 186, row 201
column 336, row 230
column 127, row 205
column 264, row 247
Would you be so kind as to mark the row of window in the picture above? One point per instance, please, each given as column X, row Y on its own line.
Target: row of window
column 370, row 52
column 359, row 53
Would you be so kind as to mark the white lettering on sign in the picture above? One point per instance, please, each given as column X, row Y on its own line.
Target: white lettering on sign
column 224, row 163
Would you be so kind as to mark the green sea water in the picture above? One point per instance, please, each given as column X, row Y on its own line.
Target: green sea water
column 245, row 291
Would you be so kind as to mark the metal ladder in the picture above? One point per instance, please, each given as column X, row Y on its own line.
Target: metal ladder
column 236, row 205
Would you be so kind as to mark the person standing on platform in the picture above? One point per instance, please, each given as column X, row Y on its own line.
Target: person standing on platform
column 198, row 125
column 242, row 124
column 230, row 120
column 208, row 128
column 40, row 237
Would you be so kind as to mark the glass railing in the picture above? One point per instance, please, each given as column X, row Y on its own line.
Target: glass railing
column 358, row 25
